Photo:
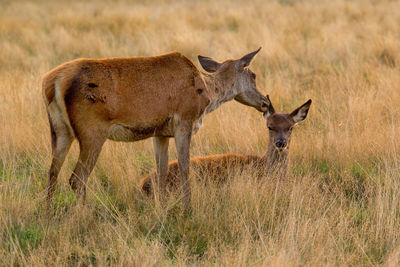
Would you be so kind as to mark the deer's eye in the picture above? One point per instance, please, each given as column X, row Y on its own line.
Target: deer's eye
column 269, row 128
column 253, row 75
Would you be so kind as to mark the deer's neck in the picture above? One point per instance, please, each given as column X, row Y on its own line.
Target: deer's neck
column 275, row 160
column 219, row 92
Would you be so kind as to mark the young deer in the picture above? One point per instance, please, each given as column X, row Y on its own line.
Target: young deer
column 131, row 99
column 217, row 166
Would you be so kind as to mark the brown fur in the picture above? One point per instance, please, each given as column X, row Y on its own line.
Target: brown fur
column 130, row 99
column 217, row 167
column 123, row 86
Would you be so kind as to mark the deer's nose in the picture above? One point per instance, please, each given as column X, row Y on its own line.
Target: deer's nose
column 264, row 106
column 281, row 143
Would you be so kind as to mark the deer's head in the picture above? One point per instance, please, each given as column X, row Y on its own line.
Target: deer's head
column 237, row 80
column 280, row 125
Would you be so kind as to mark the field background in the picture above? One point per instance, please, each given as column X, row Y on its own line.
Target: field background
column 339, row 205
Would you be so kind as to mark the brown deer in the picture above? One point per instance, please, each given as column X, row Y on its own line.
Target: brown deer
column 217, row 167
column 130, row 99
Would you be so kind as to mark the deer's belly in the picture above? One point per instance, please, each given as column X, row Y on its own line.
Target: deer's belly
column 131, row 134
column 126, row 134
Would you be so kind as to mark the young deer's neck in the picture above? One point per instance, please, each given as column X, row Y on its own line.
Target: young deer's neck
column 275, row 160
column 219, row 91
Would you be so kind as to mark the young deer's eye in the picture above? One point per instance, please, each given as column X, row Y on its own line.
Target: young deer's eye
column 269, row 128
column 253, row 75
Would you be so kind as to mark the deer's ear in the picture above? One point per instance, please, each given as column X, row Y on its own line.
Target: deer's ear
column 301, row 112
column 208, row 64
column 245, row 60
column 270, row 110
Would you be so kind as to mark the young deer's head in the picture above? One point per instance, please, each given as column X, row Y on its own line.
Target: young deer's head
column 236, row 81
column 280, row 125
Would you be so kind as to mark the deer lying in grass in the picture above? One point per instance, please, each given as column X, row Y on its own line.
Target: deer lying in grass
column 217, row 167
column 130, row 99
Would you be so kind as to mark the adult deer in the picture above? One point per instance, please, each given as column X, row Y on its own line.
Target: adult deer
column 217, row 167
column 130, row 99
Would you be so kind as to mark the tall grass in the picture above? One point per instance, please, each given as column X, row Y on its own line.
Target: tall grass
column 338, row 206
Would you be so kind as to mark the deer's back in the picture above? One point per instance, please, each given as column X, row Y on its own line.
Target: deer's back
column 215, row 167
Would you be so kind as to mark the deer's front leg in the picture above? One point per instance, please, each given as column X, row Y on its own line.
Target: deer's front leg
column 183, row 135
column 160, row 145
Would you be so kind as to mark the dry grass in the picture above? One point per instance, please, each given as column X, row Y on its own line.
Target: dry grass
column 340, row 203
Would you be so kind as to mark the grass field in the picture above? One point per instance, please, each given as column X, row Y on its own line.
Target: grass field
column 340, row 203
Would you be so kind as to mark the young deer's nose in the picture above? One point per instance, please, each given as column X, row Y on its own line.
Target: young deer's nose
column 281, row 143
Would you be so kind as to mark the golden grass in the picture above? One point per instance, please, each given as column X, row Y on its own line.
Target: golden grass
column 340, row 203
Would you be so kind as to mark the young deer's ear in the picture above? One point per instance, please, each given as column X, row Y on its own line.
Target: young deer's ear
column 208, row 64
column 245, row 60
column 300, row 113
column 270, row 110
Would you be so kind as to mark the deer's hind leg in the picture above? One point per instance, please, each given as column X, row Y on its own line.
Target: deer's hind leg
column 91, row 141
column 61, row 140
